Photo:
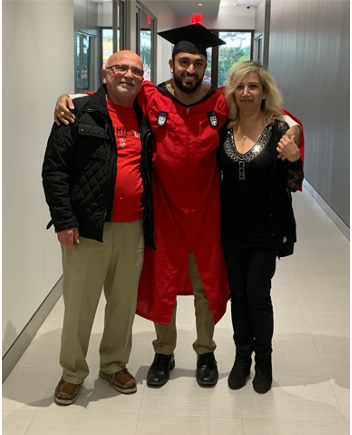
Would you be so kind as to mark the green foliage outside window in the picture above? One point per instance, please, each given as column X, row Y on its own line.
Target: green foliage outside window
column 231, row 56
column 237, row 50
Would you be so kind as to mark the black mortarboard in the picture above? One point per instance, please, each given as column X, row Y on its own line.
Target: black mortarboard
column 193, row 39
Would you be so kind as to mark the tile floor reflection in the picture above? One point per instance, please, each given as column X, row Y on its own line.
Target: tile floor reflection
column 310, row 393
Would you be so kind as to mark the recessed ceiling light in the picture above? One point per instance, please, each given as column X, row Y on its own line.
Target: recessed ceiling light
column 200, row 4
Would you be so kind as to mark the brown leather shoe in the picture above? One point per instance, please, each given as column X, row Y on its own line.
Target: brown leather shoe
column 122, row 381
column 66, row 393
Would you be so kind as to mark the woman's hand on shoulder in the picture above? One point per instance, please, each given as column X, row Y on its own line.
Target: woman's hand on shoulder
column 287, row 149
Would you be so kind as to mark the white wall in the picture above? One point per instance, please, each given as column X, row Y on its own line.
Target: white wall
column 37, row 67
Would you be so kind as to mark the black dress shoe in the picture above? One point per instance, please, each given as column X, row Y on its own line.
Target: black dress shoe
column 159, row 371
column 263, row 375
column 207, row 370
column 240, row 372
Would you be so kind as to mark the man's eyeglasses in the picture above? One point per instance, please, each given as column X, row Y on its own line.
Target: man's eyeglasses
column 124, row 68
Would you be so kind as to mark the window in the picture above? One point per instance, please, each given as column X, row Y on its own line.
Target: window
column 146, row 52
column 83, row 61
column 237, row 49
column 259, row 52
column 207, row 74
column 221, row 59
column 111, row 38
column 145, row 23
column 107, row 40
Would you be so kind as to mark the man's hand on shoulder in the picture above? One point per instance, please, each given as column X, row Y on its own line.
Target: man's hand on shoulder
column 68, row 237
column 294, row 133
column 62, row 110
column 287, row 149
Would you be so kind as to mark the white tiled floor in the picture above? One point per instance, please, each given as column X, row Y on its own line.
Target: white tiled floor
column 310, row 394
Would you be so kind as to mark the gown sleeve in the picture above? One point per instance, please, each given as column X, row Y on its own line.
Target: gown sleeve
column 146, row 97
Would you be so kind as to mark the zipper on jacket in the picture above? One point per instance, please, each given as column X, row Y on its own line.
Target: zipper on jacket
column 108, row 128
column 106, row 119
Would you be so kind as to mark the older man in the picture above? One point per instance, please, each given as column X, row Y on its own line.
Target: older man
column 98, row 192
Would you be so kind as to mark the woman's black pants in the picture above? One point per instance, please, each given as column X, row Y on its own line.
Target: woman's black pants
column 250, row 272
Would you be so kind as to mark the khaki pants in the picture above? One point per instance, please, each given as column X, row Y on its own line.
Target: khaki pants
column 115, row 264
column 165, row 342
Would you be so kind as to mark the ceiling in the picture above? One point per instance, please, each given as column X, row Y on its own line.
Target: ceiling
column 252, row 3
column 209, row 8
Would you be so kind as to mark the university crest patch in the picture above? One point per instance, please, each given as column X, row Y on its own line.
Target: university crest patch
column 162, row 118
column 213, row 119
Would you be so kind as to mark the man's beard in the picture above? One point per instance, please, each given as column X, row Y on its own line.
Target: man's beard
column 188, row 88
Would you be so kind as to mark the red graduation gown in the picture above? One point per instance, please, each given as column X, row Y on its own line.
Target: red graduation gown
column 186, row 203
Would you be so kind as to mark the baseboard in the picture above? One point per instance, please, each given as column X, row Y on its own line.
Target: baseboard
column 328, row 210
column 23, row 340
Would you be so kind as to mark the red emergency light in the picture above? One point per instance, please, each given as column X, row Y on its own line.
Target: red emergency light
column 196, row 19
column 149, row 20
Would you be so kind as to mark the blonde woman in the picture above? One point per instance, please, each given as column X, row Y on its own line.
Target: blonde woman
column 259, row 166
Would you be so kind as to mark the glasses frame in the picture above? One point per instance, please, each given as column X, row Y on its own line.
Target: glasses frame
column 123, row 68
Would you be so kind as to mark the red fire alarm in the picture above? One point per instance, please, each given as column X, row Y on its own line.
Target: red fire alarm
column 149, row 20
column 196, row 19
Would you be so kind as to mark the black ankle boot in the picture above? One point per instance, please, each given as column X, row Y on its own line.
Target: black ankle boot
column 263, row 375
column 159, row 371
column 240, row 371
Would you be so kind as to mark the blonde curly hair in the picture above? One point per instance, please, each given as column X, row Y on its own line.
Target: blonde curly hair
column 273, row 99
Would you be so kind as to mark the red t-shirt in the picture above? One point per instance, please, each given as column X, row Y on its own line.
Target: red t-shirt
column 127, row 204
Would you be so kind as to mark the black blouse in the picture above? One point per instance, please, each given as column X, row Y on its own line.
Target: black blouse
column 247, row 188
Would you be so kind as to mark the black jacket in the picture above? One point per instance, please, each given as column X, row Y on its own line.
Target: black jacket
column 79, row 169
column 285, row 177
